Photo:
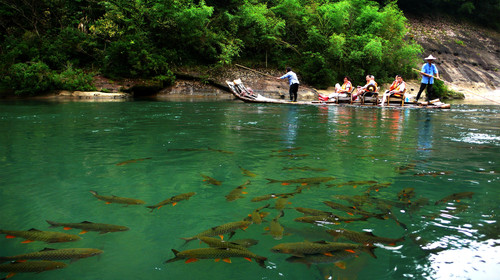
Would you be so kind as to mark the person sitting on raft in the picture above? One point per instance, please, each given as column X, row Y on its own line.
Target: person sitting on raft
column 371, row 86
column 397, row 89
column 339, row 90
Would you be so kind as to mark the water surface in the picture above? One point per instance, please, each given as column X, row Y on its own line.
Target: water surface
column 52, row 154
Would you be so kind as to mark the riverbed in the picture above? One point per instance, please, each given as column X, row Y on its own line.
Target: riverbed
column 400, row 163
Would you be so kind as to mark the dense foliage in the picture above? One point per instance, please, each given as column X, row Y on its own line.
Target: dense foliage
column 45, row 42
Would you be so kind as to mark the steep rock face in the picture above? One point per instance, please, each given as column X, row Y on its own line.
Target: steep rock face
column 467, row 56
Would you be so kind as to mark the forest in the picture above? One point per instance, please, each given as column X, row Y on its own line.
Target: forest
column 62, row 44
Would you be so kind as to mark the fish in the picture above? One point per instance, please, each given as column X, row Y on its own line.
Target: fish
column 304, row 181
column 275, row 195
column 87, row 226
column 187, row 150
column 210, row 180
column 248, row 242
column 449, row 211
column 256, row 216
column 237, row 192
column 352, row 210
column 366, row 238
column 131, row 161
column 276, row 230
column 220, row 151
column 281, row 202
column 433, row 173
column 377, row 187
column 336, row 257
column 353, row 183
column 332, row 219
column 217, row 243
column 313, row 212
column 31, row 266
column 220, row 230
column 404, row 168
column 456, row 197
column 291, row 156
column 406, row 194
column 173, row 200
column 38, row 235
column 414, row 206
column 247, row 173
column 286, row 150
column 116, row 199
column 55, row 254
column 304, row 168
column 355, row 200
column 217, row 254
column 300, row 249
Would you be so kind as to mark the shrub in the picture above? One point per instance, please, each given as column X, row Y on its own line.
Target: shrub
column 30, row 78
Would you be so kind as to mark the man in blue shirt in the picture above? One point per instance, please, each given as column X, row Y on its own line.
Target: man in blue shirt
column 294, row 83
column 428, row 71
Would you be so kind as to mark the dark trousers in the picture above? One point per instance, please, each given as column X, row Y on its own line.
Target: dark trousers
column 430, row 91
column 294, row 88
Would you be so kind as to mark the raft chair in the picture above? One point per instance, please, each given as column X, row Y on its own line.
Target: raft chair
column 345, row 99
column 242, row 90
column 371, row 96
column 397, row 98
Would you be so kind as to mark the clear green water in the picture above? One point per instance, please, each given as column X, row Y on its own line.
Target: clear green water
column 52, row 154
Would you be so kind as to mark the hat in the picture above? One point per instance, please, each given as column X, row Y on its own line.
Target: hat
column 430, row 57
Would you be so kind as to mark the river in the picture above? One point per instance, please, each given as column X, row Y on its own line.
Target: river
column 52, row 154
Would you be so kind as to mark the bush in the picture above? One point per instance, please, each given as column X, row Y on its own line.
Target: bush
column 74, row 79
column 30, row 78
column 442, row 91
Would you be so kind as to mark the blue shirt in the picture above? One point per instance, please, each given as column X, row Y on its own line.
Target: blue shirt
column 292, row 78
column 431, row 70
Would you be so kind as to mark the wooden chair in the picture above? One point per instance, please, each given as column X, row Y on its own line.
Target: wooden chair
column 400, row 98
column 345, row 99
column 370, row 97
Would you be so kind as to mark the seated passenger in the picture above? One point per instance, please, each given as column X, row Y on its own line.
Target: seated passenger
column 371, row 86
column 343, row 90
column 397, row 89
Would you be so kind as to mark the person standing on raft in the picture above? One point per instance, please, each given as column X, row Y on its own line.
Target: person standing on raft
column 294, row 83
column 428, row 71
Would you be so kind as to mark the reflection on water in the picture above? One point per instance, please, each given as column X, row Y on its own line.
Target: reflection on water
column 399, row 173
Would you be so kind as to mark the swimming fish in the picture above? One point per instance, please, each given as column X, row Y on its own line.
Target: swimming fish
column 275, row 195
column 286, row 150
column 332, row 219
column 456, row 197
column 220, row 151
column 217, row 254
column 406, row 194
column 256, row 216
column 217, row 243
column 304, row 168
column 404, row 168
column 377, row 187
column 87, row 226
column 300, row 249
column 305, row 181
column 173, row 200
column 210, row 180
column 352, row 210
column 220, row 230
column 237, row 192
column 336, row 257
column 353, row 183
column 276, row 230
column 116, row 199
column 281, row 202
column 363, row 237
column 247, row 172
column 313, row 212
column 291, row 156
column 433, row 173
column 31, row 266
column 38, row 235
column 132, row 161
column 55, row 254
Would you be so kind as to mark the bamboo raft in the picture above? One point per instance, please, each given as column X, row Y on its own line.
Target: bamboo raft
column 245, row 94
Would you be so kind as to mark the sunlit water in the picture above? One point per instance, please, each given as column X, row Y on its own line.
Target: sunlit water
column 52, row 154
